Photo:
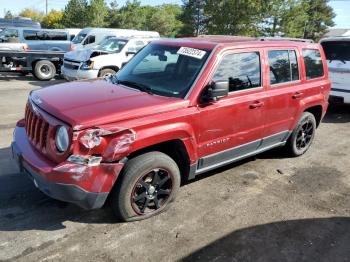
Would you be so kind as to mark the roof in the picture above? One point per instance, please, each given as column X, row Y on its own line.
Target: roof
column 337, row 32
column 210, row 42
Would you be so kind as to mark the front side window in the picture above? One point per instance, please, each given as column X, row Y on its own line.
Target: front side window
column 283, row 66
column 78, row 38
column 9, row 35
column 313, row 63
column 58, row 36
column 162, row 69
column 241, row 70
column 89, row 40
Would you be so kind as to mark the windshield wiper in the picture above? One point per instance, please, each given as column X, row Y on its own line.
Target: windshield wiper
column 141, row 87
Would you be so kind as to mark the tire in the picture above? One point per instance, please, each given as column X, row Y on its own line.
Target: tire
column 44, row 70
column 153, row 179
column 106, row 72
column 302, row 135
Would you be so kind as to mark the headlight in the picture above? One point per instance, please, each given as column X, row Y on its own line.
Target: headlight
column 62, row 139
column 87, row 65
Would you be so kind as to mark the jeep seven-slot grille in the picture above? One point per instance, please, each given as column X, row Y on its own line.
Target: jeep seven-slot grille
column 36, row 128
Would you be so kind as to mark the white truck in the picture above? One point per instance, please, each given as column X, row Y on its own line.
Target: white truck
column 102, row 60
column 337, row 50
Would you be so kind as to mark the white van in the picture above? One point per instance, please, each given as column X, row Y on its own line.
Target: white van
column 337, row 50
column 103, row 60
column 90, row 37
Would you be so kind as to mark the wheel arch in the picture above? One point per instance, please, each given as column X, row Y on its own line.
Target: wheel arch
column 317, row 111
column 174, row 148
column 113, row 67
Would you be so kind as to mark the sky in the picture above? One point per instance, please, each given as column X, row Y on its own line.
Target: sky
column 341, row 7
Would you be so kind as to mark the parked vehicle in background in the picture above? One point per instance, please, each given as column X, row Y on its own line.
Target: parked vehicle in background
column 337, row 50
column 18, row 22
column 72, row 32
column 90, row 37
column 38, row 39
column 106, row 59
column 179, row 108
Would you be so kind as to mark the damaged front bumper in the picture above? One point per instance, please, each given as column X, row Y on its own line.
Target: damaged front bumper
column 71, row 75
column 84, row 185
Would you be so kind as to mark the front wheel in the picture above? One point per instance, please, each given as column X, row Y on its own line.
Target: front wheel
column 303, row 135
column 148, row 185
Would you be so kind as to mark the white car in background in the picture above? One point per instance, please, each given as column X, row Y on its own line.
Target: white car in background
column 337, row 50
column 103, row 60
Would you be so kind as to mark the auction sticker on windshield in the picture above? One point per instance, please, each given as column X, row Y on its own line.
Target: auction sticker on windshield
column 192, row 52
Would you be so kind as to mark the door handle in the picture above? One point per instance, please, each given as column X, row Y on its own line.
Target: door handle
column 256, row 104
column 297, row 95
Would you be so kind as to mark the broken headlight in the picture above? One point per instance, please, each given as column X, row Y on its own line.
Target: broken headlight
column 87, row 65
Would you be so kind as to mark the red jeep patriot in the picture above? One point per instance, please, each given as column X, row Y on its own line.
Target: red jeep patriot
column 177, row 109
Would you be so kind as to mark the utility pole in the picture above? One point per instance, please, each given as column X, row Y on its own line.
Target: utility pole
column 46, row 7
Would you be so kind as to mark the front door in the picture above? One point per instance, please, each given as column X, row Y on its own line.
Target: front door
column 232, row 127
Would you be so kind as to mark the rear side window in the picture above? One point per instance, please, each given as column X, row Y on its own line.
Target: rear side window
column 58, row 36
column 31, row 35
column 241, row 70
column 313, row 63
column 283, row 66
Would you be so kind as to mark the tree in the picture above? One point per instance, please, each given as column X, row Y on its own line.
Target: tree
column 232, row 17
column 8, row 15
column 35, row 15
column 309, row 19
column 165, row 20
column 192, row 18
column 133, row 16
column 97, row 12
column 53, row 20
column 75, row 14
column 113, row 15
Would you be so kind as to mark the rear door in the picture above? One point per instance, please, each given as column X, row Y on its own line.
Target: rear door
column 284, row 91
column 34, row 39
column 233, row 126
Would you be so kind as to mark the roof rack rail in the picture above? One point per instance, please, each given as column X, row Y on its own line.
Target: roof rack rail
column 285, row 39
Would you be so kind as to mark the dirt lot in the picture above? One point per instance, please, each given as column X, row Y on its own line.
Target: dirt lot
column 268, row 208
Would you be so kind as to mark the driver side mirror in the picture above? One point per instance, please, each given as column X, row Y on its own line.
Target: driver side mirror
column 130, row 52
column 215, row 90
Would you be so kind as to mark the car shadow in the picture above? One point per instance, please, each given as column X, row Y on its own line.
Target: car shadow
column 337, row 113
column 24, row 207
column 316, row 239
column 29, row 78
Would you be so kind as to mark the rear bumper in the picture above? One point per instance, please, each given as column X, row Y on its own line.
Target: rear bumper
column 70, row 74
column 340, row 95
column 85, row 186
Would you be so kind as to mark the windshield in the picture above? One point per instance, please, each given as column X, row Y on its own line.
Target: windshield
column 114, row 45
column 338, row 50
column 78, row 38
column 163, row 69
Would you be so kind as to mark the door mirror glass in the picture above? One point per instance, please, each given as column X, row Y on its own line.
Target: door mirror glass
column 215, row 90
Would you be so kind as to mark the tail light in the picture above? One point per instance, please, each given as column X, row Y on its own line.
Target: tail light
column 25, row 48
column 71, row 48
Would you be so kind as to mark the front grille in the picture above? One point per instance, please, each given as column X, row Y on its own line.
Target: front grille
column 70, row 64
column 37, row 128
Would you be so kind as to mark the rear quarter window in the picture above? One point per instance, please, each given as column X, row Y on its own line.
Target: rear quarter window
column 313, row 63
column 57, row 36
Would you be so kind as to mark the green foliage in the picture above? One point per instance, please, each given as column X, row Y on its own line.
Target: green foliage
column 165, row 20
column 75, row 14
column 97, row 12
column 291, row 18
column 53, row 20
column 35, row 15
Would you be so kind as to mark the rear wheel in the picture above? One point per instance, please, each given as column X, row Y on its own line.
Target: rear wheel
column 106, row 72
column 148, row 185
column 303, row 135
column 44, row 70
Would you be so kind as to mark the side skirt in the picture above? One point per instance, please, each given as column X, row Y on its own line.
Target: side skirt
column 238, row 153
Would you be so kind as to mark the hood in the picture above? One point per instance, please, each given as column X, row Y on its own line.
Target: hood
column 83, row 55
column 83, row 104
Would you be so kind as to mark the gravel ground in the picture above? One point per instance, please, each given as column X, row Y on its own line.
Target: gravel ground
column 267, row 208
